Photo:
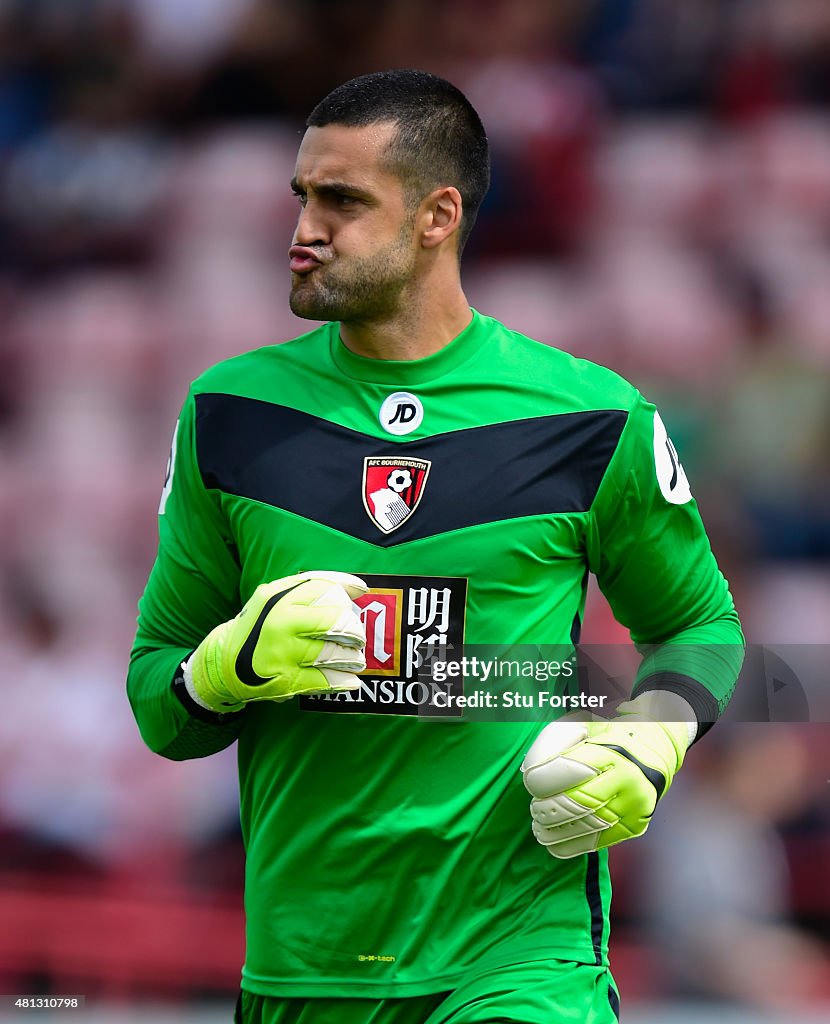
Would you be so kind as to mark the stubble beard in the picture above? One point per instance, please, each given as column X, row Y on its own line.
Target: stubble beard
column 361, row 290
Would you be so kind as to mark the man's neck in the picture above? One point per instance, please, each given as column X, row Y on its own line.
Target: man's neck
column 414, row 332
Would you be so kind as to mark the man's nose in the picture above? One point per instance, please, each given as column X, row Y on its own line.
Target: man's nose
column 311, row 228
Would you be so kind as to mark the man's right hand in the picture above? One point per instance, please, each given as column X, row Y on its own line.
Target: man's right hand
column 299, row 634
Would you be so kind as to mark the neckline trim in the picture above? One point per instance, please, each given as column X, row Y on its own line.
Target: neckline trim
column 407, row 371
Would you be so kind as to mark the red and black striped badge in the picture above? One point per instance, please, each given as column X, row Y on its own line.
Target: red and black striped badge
column 392, row 489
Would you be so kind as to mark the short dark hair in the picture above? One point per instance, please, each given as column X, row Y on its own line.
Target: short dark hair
column 440, row 138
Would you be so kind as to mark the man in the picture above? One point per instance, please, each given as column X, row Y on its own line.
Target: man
column 446, row 481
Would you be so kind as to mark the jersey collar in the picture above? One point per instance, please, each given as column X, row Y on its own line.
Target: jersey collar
column 408, row 371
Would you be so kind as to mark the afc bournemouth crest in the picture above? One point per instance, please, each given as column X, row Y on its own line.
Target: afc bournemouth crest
column 392, row 489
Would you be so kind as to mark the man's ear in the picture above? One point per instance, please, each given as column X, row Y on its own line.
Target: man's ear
column 441, row 216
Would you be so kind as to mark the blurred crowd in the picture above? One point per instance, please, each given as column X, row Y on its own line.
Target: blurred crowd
column 660, row 204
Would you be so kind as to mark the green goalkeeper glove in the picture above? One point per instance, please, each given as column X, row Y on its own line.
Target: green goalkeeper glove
column 299, row 634
column 597, row 783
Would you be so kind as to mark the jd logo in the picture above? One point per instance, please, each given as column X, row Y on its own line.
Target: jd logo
column 674, row 485
column 404, row 413
column 401, row 413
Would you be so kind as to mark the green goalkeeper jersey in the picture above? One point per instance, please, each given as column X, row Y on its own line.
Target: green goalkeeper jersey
column 388, row 851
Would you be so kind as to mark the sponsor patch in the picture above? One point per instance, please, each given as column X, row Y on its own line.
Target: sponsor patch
column 671, row 476
column 168, row 475
column 410, row 621
column 401, row 413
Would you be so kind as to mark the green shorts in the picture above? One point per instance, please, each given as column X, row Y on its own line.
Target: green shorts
column 541, row 992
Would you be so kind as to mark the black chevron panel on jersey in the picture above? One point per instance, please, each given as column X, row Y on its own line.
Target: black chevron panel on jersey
column 314, row 468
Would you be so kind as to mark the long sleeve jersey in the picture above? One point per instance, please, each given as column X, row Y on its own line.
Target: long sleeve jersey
column 474, row 490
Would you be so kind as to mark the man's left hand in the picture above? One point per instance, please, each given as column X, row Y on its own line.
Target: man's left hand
column 597, row 783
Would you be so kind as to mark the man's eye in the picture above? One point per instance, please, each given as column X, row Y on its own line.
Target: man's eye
column 301, row 197
column 343, row 200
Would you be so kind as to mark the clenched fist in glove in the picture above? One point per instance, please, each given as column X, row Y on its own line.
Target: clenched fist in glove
column 299, row 634
column 595, row 783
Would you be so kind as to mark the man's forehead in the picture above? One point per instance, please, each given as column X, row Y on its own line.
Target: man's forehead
column 343, row 153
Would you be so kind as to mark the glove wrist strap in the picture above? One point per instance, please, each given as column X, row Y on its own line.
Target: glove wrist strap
column 202, row 678
column 187, row 679
column 670, row 712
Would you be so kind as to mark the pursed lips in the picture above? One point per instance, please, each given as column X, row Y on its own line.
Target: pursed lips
column 302, row 260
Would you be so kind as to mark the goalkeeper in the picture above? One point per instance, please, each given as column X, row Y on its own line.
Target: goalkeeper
column 413, row 473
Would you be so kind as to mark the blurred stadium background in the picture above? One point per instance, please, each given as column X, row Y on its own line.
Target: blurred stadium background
column 660, row 203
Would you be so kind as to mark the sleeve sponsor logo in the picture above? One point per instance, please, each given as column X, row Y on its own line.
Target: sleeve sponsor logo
column 392, row 490
column 168, row 475
column 409, row 621
column 670, row 474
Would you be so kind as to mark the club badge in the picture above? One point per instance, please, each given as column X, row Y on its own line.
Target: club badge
column 392, row 489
